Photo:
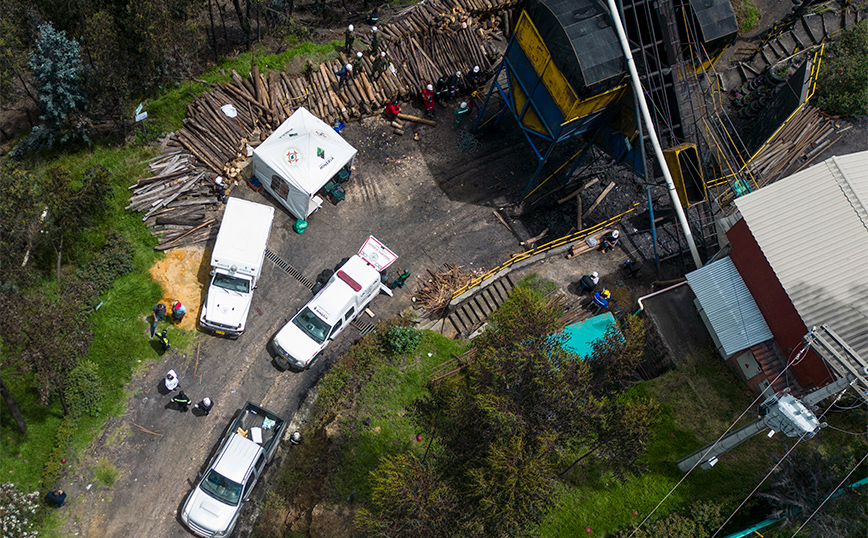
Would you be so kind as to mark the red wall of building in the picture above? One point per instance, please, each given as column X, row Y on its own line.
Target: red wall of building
column 774, row 303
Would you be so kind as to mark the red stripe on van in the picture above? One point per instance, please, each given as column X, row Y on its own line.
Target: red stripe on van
column 346, row 278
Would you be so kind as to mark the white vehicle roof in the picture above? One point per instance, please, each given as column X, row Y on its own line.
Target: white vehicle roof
column 356, row 273
column 243, row 235
column 237, row 458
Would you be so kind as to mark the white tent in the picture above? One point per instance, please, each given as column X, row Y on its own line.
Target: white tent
column 298, row 159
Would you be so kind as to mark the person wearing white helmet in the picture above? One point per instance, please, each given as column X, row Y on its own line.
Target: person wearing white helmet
column 428, row 99
column 375, row 42
column 589, row 282
column 379, row 66
column 610, row 240
column 358, row 65
column 460, row 112
column 474, row 77
column 455, row 84
column 343, row 75
column 349, row 39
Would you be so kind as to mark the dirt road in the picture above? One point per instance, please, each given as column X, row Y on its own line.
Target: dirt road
column 427, row 200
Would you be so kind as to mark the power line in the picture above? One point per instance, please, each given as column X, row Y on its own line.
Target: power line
column 796, row 360
column 830, row 495
column 773, row 469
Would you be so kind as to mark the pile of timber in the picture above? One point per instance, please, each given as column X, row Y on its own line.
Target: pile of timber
column 802, row 139
column 178, row 203
column 435, row 293
column 426, row 41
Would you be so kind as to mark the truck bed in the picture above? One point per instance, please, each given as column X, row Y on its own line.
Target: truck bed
column 254, row 423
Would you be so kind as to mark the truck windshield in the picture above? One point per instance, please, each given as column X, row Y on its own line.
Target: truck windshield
column 308, row 322
column 221, row 488
column 231, row 283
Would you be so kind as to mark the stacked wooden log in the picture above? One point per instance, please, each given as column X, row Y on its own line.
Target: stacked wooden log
column 176, row 201
column 804, row 137
column 428, row 40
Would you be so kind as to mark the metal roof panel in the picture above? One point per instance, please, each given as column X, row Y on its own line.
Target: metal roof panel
column 812, row 228
column 731, row 309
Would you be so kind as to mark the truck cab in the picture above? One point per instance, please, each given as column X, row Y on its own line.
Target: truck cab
column 213, row 507
column 349, row 290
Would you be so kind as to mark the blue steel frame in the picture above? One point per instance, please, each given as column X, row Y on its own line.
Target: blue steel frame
column 580, row 127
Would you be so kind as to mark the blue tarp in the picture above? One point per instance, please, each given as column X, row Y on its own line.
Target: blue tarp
column 580, row 337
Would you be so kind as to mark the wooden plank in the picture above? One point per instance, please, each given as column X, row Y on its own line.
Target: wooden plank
column 482, row 304
column 578, row 191
column 599, row 199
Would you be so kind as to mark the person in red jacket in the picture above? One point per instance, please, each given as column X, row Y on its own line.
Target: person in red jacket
column 393, row 109
column 428, row 99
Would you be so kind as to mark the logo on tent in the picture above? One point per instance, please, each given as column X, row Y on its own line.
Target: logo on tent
column 293, row 156
column 320, row 134
column 320, row 153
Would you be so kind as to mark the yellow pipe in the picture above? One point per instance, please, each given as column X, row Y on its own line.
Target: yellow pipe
column 553, row 173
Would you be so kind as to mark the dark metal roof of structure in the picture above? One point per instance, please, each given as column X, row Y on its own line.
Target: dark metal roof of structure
column 581, row 40
column 716, row 18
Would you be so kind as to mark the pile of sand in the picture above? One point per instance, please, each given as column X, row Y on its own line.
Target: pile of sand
column 184, row 275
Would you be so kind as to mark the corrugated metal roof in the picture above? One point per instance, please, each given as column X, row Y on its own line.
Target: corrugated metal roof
column 730, row 307
column 813, row 229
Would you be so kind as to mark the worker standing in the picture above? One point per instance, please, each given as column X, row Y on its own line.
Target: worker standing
column 455, row 84
column 342, row 75
column 460, row 112
column 375, row 42
column 441, row 90
column 474, row 78
column 428, row 100
column 349, row 39
column 379, row 66
column 358, row 65
column 182, row 401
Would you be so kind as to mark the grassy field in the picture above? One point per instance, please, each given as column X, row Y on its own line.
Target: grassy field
column 120, row 342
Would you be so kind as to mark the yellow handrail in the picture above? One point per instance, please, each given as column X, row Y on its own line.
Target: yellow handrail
column 567, row 239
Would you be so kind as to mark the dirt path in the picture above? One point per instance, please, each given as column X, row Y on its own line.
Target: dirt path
column 412, row 195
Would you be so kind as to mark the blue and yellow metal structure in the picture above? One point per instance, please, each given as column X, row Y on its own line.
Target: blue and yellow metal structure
column 541, row 99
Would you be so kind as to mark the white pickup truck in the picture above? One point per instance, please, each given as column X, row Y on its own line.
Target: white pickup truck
column 213, row 506
column 346, row 294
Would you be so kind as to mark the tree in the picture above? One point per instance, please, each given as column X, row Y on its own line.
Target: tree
column 70, row 210
column 842, row 86
column 20, row 221
column 58, row 76
column 410, row 499
column 804, row 482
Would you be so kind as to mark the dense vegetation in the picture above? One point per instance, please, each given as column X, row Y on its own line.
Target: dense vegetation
column 842, row 86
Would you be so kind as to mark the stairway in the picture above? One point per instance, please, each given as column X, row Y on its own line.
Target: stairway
column 473, row 311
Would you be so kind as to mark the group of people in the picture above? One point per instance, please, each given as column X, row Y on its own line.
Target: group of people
column 178, row 312
column 452, row 86
column 182, row 400
column 379, row 64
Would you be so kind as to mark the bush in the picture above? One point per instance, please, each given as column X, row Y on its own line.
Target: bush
column 746, row 15
column 403, row 339
column 61, row 442
column 114, row 260
column 842, row 86
column 702, row 520
column 16, row 511
column 83, row 390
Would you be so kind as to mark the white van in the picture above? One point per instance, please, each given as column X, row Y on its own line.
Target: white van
column 349, row 290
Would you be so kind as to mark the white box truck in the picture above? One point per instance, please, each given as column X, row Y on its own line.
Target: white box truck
column 212, row 508
column 236, row 264
column 346, row 294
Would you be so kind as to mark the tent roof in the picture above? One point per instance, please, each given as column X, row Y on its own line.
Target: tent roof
column 306, row 151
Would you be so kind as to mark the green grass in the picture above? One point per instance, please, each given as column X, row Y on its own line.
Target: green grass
column 34, row 446
column 105, row 473
column 167, row 110
column 747, row 15
column 605, row 503
column 395, row 385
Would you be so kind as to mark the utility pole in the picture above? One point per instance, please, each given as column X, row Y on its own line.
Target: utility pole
column 788, row 414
